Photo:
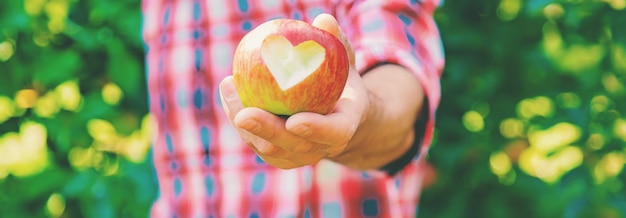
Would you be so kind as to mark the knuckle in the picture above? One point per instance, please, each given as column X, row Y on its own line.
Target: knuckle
column 270, row 134
column 304, row 148
column 266, row 148
column 343, row 142
column 336, row 151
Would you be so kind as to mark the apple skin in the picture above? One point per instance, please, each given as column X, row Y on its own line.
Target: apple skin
column 317, row 93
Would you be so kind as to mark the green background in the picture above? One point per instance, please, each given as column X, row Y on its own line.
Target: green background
column 531, row 121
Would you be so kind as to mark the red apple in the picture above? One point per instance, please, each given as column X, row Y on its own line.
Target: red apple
column 287, row 66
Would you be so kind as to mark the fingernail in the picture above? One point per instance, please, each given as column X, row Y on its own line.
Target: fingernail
column 229, row 92
column 251, row 126
column 301, row 130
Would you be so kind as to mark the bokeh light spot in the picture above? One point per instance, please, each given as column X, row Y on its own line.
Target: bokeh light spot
column 34, row 7
column 68, row 95
column 552, row 40
column 512, row 128
column 80, row 158
column 47, row 105
column 56, row 25
column 555, row 137
column 525, row 109
column 618, row 56
column 133, row 147
column 7, row 108
column 537, row 106
column 55, row 206
column 136, row 147
column 614, row 163
column 10, row 152
column 102, row 130
column 473, row 121
column 41, row 39
column 613, row 85
column 596, row 141
column 26, row 98
column 508, row 9
column 33, row 135
column 6, row 50
column 24, row 153
column 600, row 103
column 500, row 163
column 112, row 93
column 535, row 164
column 617, row 4
column 619, row 129
column 551, row 153
column 568, row 100
column 609, row 166
column 543, row 106
column 3, row 173
column 550, row 169
column 553, row 11
column 568, row 158
column 57, row 11
column 580, row 57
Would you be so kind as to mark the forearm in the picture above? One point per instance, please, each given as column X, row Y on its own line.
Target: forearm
column 396, row 98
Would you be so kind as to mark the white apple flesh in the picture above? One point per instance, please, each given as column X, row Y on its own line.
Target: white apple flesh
column 287, row 66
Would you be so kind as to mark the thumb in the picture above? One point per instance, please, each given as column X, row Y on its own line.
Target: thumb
column 328, row 23
column 229, row 97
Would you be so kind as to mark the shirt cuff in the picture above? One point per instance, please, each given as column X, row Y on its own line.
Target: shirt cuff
column 414, row 151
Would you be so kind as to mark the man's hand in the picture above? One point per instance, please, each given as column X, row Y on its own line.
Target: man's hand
column 371, row 125
column 303, row 138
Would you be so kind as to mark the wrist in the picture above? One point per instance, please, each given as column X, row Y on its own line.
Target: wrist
column 395, row 99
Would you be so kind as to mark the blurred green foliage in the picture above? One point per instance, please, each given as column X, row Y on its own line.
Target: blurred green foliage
column 532, row 119
column 74, row 128
column 531, row 122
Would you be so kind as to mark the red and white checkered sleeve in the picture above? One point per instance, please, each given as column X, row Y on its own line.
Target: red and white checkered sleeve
column 401, row 32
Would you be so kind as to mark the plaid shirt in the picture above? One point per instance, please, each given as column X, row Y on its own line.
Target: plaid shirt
column 204, row 169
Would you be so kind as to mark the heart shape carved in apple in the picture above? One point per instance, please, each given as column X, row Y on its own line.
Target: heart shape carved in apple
column 289, row 64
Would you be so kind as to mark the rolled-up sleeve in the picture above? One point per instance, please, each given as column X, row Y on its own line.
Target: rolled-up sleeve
column 400, row 32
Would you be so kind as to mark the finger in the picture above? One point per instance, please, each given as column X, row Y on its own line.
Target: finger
column 328, row 23
column 230, row 98
column 232, row 106
column 270, row 128
column 336, row 128
column 279, row 163
column 266, row 149
column 297, row 160
column 284, row 159
column 332, row 129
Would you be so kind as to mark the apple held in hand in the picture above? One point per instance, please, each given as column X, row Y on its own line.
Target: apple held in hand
column 287, row 66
